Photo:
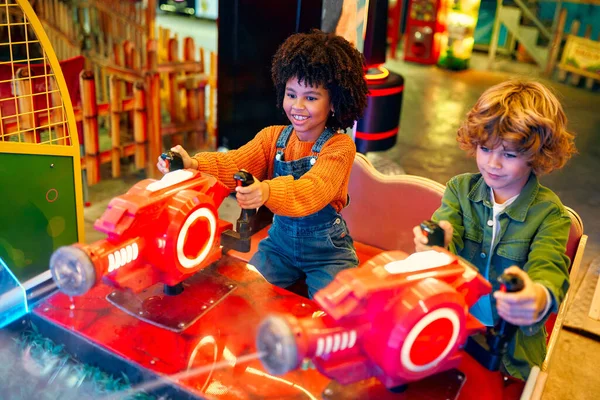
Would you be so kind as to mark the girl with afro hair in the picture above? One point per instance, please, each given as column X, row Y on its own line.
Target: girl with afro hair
column 301, row 170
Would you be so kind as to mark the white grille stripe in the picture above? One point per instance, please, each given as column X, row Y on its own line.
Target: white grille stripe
column 336, row 342
column 129, row 253
column 344, row 341
column 117, row 259
column 320, row 346
column 111, row 262
column 352, row 339
column 123, row 257
column 328, row 343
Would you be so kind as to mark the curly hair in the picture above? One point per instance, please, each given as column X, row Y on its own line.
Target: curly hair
column 525, row 114
column 321, row 59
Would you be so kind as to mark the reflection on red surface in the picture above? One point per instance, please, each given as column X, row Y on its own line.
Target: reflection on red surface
column 223, row 333
column 227, row 332
column 201, row 293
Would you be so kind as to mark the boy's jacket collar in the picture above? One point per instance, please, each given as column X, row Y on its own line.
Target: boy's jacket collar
column 517, row 210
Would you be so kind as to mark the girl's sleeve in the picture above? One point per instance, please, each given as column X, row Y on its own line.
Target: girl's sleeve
column 252, row 157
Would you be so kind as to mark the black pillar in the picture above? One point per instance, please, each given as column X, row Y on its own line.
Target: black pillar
column 250, row 31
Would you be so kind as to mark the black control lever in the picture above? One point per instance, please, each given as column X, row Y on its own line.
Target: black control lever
column 243, row 178
column 173, row 160
column 503, row 332
column 240, row 238
column 489, row 352
column 433, row 232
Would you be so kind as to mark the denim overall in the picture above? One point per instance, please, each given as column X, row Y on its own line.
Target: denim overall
column 317, row 246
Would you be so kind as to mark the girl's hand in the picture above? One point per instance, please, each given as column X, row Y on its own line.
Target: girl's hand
column 253, row 196
column 524, row 307
column 421, row 240
column 188, row 162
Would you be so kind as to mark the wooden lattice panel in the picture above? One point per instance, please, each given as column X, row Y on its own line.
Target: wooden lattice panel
column 32, row 104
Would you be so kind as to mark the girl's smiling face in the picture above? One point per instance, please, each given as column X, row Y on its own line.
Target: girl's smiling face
column 307, row 108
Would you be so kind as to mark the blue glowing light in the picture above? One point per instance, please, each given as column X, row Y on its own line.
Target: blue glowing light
column 13, row 296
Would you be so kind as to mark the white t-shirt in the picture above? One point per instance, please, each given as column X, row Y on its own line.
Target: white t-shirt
column 482, row 310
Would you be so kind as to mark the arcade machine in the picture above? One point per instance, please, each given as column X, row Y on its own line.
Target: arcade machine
column 163, row 300
column 161, row 296
column 207, row 9
column 397, row 319
column 425, row 24
column 186, row 7
column 458, row 39
column 377, row 130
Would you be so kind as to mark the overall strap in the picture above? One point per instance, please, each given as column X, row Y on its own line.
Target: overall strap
column 282, row 141
column 284, row 137
column 325, row 136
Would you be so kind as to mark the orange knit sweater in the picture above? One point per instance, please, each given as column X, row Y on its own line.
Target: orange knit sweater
column 325, row 183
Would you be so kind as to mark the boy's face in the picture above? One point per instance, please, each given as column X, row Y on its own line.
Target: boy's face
column 307, row 108
column 504, row 169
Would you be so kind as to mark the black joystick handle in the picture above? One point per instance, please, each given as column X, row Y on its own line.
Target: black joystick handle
column 173, row 159
column 504, row 331
column 243, row 178
column 489, row 350
column 245, row 226
column 511, row 283
column 433, row 232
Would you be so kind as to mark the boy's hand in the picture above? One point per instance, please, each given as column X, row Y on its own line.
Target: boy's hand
column 253, row 196
column 421, row 240
column 188, row 162
column 522, row 308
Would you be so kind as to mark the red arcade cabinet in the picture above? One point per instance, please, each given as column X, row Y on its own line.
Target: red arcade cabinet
column 424, row 24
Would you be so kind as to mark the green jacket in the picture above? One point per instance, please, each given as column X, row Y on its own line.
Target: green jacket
column 533, row 235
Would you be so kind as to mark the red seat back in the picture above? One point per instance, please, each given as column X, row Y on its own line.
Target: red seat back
column 384, row 209
column 574, row 235
column 575, row 253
